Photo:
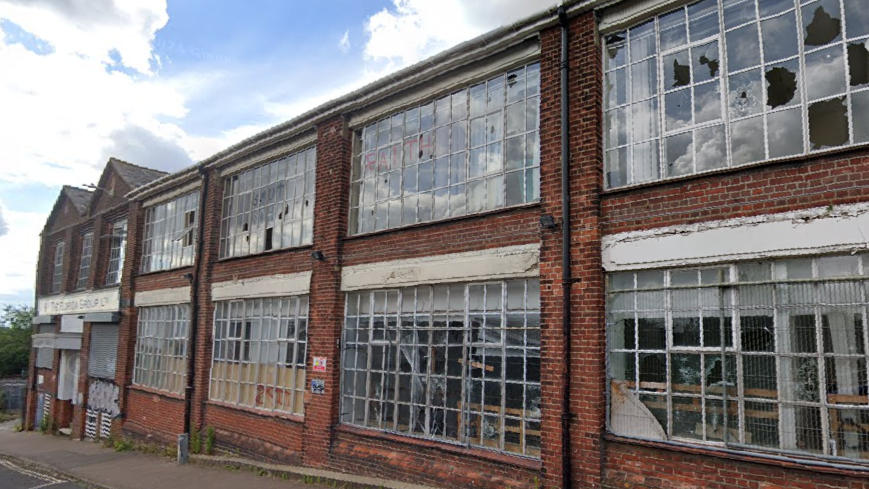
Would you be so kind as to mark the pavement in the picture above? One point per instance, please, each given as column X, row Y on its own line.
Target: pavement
column 92, row 465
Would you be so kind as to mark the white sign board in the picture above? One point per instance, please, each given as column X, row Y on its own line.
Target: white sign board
column 71, row 324
column 81, row 303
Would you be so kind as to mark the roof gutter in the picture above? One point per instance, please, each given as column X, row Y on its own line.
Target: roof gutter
column 407, row 78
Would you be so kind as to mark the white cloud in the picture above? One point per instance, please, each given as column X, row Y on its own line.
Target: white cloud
column 93, row 28
column 20, row 246
column 416, row 29
column 344, row 43
column 4, row 226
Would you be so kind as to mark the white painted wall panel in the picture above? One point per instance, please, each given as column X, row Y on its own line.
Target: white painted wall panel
column 805, row 232
column 269, row 286
column 162, row 297
column 493, row 264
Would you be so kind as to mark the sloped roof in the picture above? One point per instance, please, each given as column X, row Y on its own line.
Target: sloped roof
column 135, row 175
column 79, row 197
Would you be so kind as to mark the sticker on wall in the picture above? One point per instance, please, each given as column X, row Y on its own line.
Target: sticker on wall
column 318, row 386
column 319, row 364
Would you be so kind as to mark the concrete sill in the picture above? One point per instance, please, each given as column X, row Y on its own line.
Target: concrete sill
column 295, row 418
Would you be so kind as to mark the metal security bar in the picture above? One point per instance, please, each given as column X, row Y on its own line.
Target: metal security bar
column 473, row 150
column 161, row 348
column 260, row 348
column 269, row 207
column 722, row 83
column 768, row 355
column 458, row 363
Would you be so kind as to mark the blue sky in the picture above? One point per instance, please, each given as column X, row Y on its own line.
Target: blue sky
column 165, row 84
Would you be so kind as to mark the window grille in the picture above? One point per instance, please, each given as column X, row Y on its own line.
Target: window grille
column 766, row 355
column 458, row 363
column 474, row 150
column 260, row 353
column 723, row 83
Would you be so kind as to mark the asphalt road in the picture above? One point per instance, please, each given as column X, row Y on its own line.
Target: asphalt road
column 14, row 476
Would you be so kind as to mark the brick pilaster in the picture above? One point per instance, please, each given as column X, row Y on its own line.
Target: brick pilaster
column 326, row 306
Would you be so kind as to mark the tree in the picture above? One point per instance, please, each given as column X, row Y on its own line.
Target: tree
column 15, row 331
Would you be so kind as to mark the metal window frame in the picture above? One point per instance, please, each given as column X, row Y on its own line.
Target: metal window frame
column 417, row 305
column 162, row 334
column 241, row 206
column 164, row 231
column 57, row 270
column 84, row 266
column 360, row 201
column 117, row 252
column 816, row 308
column 289, row 352
column 763, row 112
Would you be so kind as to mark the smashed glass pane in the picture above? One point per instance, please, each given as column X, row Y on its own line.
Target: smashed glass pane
column 822, row 22
column 785, row 133
column 615, row 50
column 782, row 83
column 858, row 63
column 706, row 62
column 825, row 72
column 746, row 141
column 743, row 48
column 828, row 123
column 679, row 155
column 678, row 109
column 780, row 37
column 710, row 150
column 745, row 97
column 677, row 70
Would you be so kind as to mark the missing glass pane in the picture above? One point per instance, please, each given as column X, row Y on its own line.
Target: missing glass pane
column 781, row 84
column 822, row 22
column 828, row 123
column 858, row 63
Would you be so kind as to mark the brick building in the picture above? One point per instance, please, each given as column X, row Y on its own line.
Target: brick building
column 379, row 285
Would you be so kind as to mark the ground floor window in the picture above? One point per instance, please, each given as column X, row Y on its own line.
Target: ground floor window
column 259, row 353
column 161, row 348
column 768, row 355
column 458, row 363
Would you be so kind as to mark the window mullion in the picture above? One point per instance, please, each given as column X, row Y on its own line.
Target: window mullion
column 822, row 371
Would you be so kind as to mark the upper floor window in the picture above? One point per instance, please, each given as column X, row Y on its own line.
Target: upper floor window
column 116, row 252
column 269, row 207
column 474, row 150
column 723, row 83
column 57, row 270
column 170, row 234
column 84, row 267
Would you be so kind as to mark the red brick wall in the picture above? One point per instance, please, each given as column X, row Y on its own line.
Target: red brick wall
column 634, row 466
column 160, row 416
column 258, row 435
column 838, row 178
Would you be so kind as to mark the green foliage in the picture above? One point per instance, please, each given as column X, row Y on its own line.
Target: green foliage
column 123, row 446
column 209, row 441
column 18, row 428
column 15, row 331
column 195, row 441
column 45, row 426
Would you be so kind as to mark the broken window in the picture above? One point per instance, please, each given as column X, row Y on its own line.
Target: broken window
column 470, row 151
column 57, row 270
column 259, row 354
column 84, row 267
column 761, row 354
column 269, row 207
column 170, row 231
column 686, row 94
column 161, row 348
column 118, row 245
column 456, row 363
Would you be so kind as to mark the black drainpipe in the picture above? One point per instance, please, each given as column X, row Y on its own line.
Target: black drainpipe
column 194, row 305
column 565, row 246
